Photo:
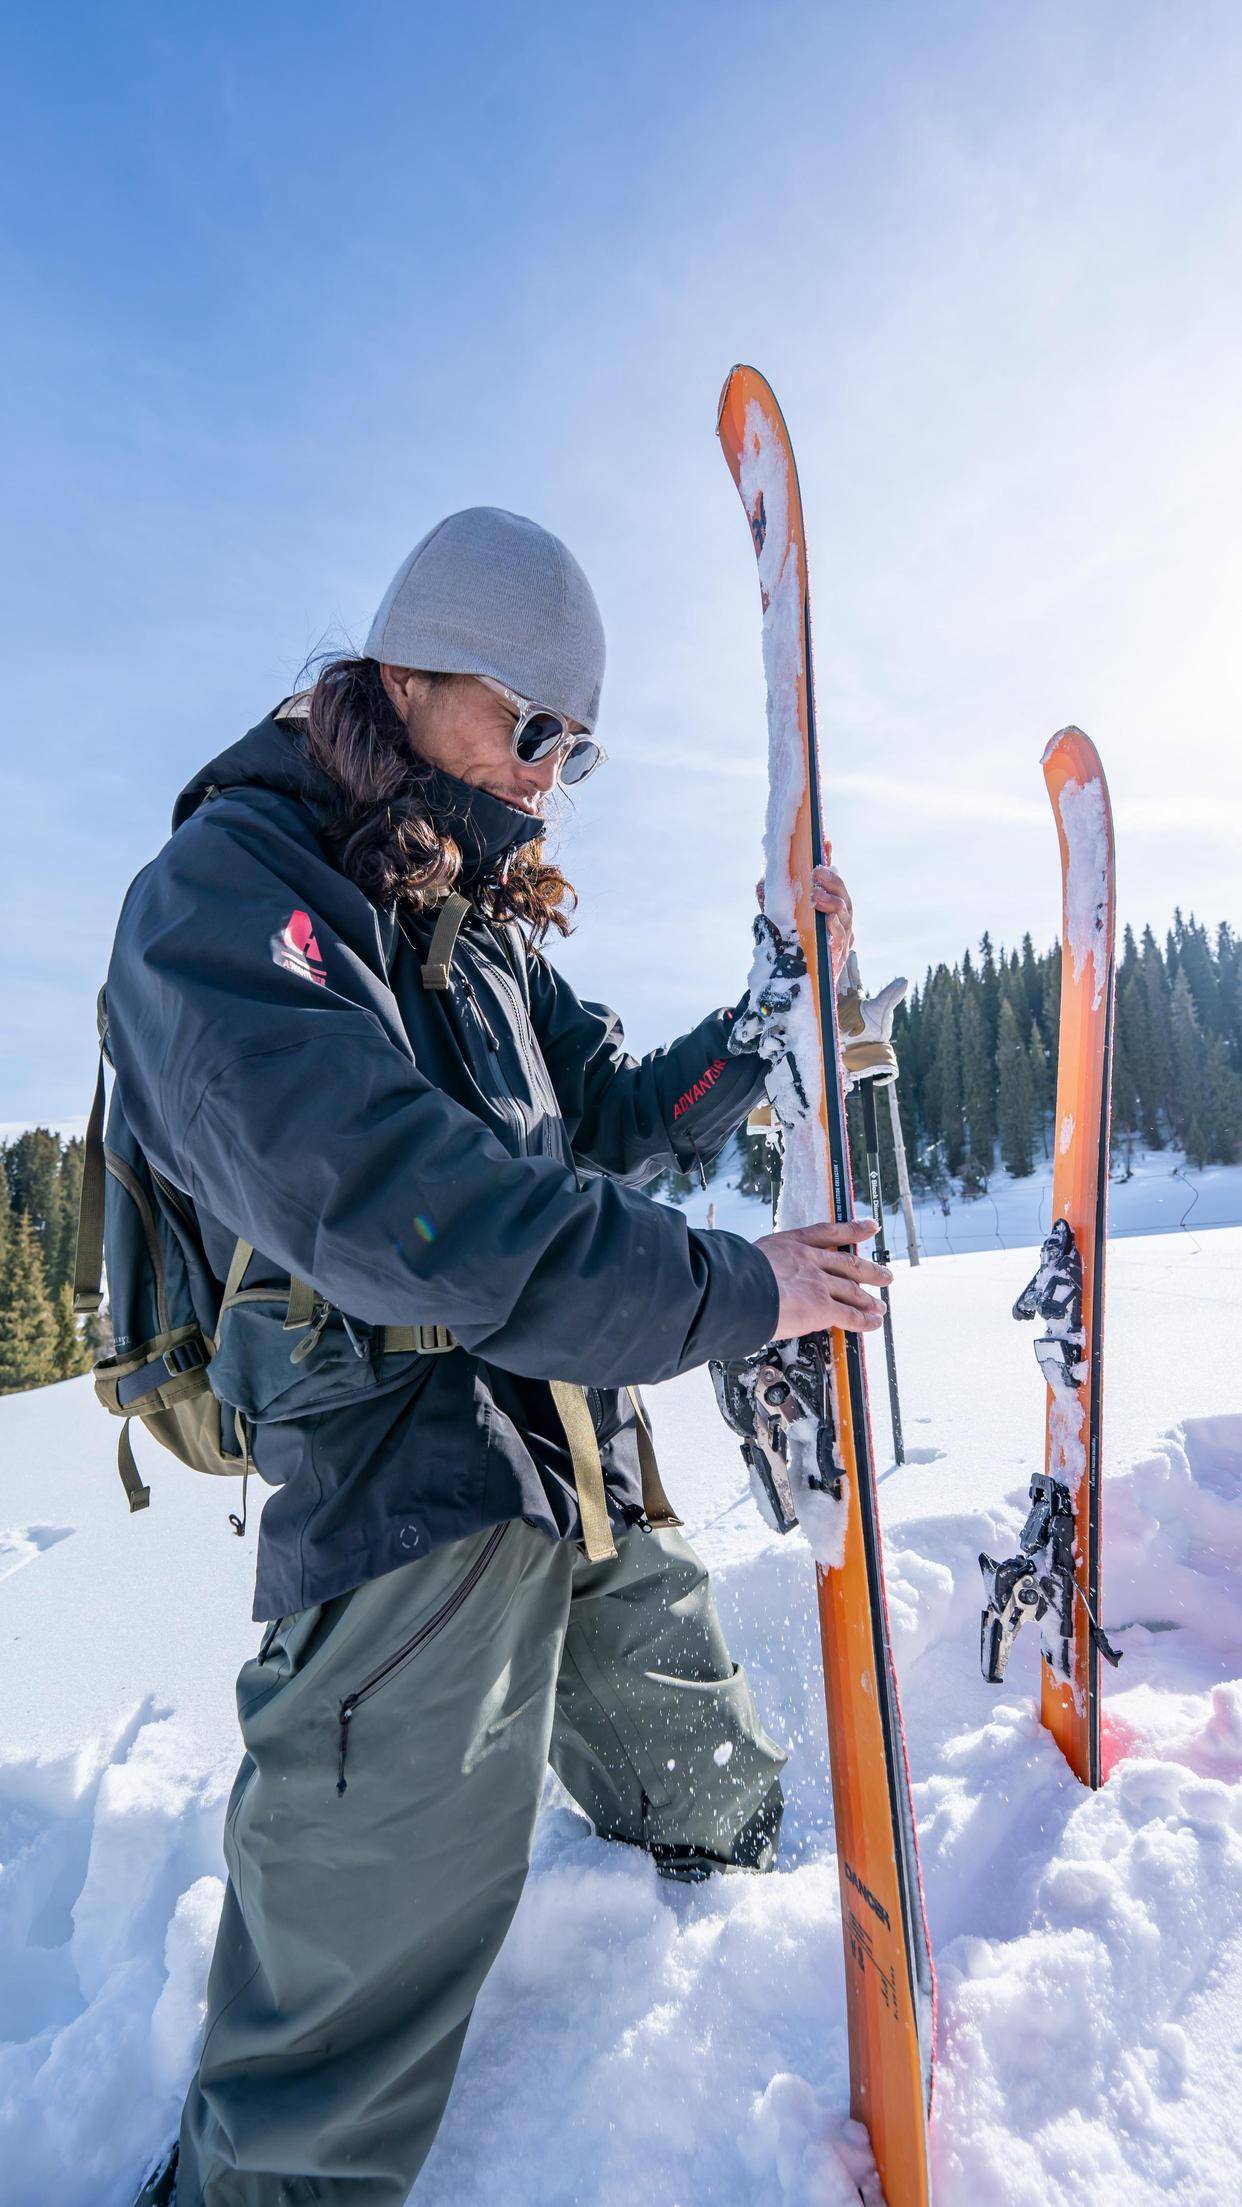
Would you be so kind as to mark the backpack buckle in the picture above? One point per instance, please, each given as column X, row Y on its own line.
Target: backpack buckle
column 184, row 1356
column 434, row 1340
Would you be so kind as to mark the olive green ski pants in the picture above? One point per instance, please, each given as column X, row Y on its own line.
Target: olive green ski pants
column 379, row 1832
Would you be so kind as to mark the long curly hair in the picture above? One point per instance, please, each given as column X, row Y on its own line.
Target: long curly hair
column 385, row 835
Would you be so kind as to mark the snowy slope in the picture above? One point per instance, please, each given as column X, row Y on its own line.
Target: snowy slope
column 638, row 2041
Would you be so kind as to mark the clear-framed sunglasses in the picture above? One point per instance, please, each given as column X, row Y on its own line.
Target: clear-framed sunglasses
column 539, row 731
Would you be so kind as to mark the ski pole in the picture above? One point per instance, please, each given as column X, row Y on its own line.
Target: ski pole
column 903, row 1176
column 871, row 1137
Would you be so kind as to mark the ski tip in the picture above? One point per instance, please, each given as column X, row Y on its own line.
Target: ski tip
column 739, row 367
column 1063, row 735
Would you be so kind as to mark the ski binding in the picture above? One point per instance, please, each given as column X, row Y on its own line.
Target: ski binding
column 1037, row 1584
column 761, row 1397
column 1055, row 1294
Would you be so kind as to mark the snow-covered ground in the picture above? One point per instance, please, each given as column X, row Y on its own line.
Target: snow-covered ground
column 643, row 2042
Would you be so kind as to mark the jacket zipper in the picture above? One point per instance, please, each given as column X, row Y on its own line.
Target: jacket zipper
column 410, row 1648
column 467, row 990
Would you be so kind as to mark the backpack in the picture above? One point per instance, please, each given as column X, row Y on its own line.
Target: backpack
column 200, row 1387
column 196, row 1395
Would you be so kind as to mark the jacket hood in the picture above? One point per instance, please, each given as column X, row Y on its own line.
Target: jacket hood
column 268, row 757
column 485, row 828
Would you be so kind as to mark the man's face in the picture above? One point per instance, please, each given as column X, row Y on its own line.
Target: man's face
column 466, row 729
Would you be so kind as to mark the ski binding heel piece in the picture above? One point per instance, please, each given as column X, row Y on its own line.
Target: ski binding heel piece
column 1055, row 1294
column 1012, row 1595
column 757, row 1402
column 762, row 1397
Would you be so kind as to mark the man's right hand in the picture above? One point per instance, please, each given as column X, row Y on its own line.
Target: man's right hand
column 821, row 1278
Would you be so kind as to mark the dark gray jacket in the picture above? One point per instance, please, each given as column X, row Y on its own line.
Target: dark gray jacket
column 456, row 1159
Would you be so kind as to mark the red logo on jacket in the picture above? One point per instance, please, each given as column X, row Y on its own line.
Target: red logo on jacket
column 296, row 950
column 706, row 1081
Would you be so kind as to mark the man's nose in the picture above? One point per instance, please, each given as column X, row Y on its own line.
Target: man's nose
column 541, row 773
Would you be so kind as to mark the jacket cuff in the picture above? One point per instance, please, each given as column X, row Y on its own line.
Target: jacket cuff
column 739, row 1311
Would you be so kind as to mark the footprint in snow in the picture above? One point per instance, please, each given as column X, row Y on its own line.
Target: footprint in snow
column 19, row 1547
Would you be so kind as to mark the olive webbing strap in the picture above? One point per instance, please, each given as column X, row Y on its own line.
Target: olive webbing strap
column 243, row 1251
column 301, row 1308
column 444, row 941
column 301, row 1305
column 88, row 1249
column 417, row 1341
column 136, row 1494
column 239, row 1427
column 657, row 1508
column 575, row 1415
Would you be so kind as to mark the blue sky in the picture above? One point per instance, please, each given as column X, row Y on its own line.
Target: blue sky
column 283, row 285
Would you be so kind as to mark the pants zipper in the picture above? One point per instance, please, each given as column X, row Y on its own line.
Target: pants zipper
column 426, row 1631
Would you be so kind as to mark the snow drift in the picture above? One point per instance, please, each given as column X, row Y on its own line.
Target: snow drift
column 678, row 2045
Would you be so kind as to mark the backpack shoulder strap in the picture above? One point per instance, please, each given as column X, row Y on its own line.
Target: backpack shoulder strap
column 88, row 1250
column 444, row 941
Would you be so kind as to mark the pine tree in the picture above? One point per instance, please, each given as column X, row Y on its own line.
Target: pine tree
column 947, row 1082
column 27, row 1322
column 1229, row 984
column 1128, row 962
column 1190, row 1116
column 1194, row 959
column 929, row 1036
column 60, row 1241
column 1051, row 1019
column 989, row 992
column 977, row 1085
column 1223, row 1104
column 907, row 1042
column 72, row 1354
column 32, row 1164
column 1032, row 982
column 1016, row 1105
column 1041, row 1082
column 1132, row 1049
column 1156, row 1073
column 1125, row 1120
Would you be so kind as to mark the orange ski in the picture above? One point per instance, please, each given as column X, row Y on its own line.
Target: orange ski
column 1071, row 1706
column 889, row 1981
column 1055, row 1578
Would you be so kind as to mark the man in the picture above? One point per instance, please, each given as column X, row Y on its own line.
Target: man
column 334, row 1031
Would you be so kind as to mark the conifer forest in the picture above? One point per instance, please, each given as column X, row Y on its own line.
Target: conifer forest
column 976, row 1045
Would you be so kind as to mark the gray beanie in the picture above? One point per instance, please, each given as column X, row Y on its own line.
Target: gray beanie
column 487, row 592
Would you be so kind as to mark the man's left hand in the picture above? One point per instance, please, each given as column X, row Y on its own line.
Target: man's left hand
column 830, row 896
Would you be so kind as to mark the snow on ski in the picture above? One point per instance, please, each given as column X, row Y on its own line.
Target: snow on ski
column 890, row 1984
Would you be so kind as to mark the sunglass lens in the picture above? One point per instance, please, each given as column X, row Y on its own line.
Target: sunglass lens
column 540, row 736
column 581, row 761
